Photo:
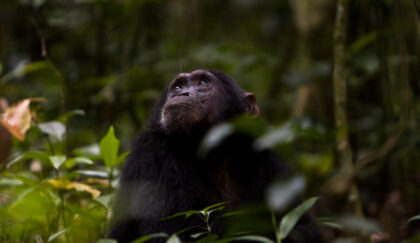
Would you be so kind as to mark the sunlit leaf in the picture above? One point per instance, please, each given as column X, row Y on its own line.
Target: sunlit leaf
column 57, row 234
column 65, row 184
column 254, row 238
column 57, row 160
column 17, row 119
column 54, row 128
column 282, row 193
column 109, row 148
column 173, row 239
column 289, row 220
column 93, row 173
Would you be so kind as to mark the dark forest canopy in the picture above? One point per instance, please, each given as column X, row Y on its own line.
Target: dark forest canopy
column 103, row 63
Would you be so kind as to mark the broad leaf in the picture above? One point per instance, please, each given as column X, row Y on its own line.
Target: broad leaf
column 54, row 128
column 109, row 148
column 57, row 160
column 289, row 220
column 173, row 239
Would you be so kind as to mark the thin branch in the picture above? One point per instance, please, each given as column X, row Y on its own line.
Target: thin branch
column 44, row 52
column 340, row 88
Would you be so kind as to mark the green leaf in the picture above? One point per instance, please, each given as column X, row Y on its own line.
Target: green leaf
column 173, row 239
column 31, row 205
column 109, row 148
column 54, row 128
column 289, row 220
column 58, row 234
column 151, row 236
column 333, row 225
column 25, row 179
column 41, row 156
column 78, row 160
column 185, row 213
column 106, row 241
column 206, row 209
column 122, row 157
column 93, row 173
column 197, row 235
column 88, row 150
column 6, row 182
column 106, row 201
column 253, row 238
column 57, row 160
column 66, row 116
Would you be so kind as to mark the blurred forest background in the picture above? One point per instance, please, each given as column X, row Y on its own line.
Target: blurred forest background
column 90, row 64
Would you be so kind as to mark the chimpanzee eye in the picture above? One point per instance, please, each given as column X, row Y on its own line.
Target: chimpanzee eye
column 178, row 88
column 203, row 83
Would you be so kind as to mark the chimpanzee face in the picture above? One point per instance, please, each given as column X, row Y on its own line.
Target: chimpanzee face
column 193, row 102
column 192, row 99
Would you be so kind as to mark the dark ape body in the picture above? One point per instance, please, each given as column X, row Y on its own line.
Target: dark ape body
column 163, row 175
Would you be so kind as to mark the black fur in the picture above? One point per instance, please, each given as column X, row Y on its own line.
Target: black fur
column 163, row 176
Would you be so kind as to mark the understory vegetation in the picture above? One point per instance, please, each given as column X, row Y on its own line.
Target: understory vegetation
column 337, row 83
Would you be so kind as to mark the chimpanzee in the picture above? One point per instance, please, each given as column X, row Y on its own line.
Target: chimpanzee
column 163, row 174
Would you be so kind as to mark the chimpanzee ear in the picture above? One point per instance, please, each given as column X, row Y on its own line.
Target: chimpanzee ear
column 252, row 106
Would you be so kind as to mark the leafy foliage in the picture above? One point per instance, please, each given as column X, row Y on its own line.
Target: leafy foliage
column 98, row 63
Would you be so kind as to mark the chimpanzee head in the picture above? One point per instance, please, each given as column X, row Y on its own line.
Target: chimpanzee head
column 197, row 100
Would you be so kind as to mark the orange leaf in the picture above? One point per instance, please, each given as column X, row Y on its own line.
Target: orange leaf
column 17, row 119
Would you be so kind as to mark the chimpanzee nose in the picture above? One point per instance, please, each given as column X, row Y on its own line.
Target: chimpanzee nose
column 185, row 93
